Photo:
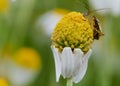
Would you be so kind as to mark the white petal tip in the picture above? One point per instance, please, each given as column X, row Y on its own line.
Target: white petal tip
column 77, row 50
column 66, row 49
column 58, row 73
column 57, row 78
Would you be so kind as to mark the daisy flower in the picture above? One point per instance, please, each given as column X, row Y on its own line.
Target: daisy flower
column 24, row 66
column 72, row 41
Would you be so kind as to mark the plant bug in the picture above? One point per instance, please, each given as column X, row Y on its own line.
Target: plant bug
column 97, row 32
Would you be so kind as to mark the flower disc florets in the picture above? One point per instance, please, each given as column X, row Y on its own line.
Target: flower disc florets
column 74, row 31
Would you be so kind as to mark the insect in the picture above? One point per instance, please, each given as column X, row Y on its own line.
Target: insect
column 97, row 32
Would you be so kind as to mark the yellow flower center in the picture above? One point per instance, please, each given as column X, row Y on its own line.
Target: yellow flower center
column 74, row 31
column 3, row 82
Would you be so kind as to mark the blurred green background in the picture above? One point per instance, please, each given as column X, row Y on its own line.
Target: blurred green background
column 25, row 55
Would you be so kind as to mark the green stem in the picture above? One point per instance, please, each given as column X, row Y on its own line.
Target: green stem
column 69, row 82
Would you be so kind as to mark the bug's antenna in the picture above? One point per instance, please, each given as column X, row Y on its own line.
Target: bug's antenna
column 93, row 11
column 99, row 10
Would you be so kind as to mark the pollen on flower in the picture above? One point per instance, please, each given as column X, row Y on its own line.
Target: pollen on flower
column 74, row 31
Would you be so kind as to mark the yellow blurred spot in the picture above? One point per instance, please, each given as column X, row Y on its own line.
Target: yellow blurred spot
column 60, row 11
column 73, row 30
column 28, row 58
column 3, row 82
column 4, row 5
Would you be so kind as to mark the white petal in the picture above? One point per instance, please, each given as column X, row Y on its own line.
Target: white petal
column 83, row 67
column 67, row 62
column 77, row 61
column 57, row 62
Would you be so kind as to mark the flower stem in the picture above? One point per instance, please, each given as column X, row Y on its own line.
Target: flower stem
column 69, row 82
